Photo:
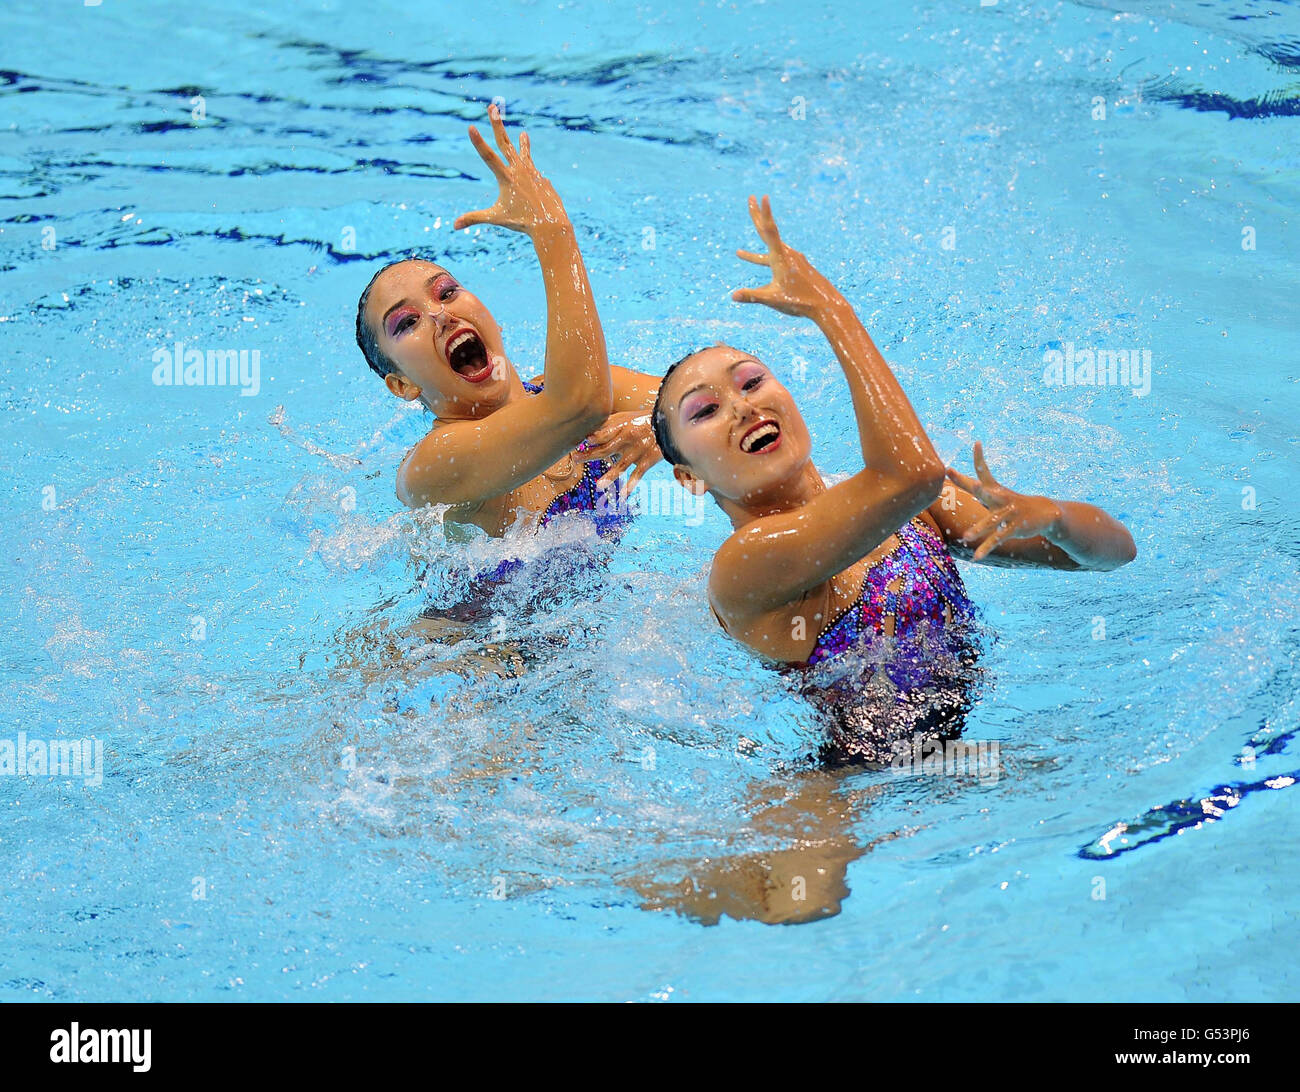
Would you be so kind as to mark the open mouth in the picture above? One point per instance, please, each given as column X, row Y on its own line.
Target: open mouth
column 764, row 436
column 468, row 356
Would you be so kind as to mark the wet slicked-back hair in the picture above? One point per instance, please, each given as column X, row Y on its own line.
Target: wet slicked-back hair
column 367, row 339
column 659, row 417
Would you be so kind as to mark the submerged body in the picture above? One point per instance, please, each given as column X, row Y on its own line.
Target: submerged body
column 582, row 495
column 585, row 481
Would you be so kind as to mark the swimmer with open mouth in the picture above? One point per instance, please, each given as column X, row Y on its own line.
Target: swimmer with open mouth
column 501, row 447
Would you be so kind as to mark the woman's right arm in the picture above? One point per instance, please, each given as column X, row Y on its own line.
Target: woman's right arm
column 468, row 462
column 774, row 560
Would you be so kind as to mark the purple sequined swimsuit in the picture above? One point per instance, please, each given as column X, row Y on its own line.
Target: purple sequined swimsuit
column 926, row 667
column 916, row 582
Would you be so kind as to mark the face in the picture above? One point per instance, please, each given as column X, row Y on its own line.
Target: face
column 735, row 425
column 442, row 338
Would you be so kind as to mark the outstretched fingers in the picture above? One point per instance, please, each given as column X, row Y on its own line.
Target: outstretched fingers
column 995, row 520
column 991, row 496
column 599, row 446
column 962, row 481
column 750, row 295
column 487, row 154
column 607, row 479
column 982, row 468
column 478, row 216
column 770, row 221
column 638, row 463
column 986, row 488
column 1008, row 531
column 499, row 131
column 640, row 472
column 763, row 222
column 757, row 259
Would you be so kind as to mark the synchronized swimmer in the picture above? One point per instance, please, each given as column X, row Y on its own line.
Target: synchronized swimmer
column 501, row 448
column 811, row 571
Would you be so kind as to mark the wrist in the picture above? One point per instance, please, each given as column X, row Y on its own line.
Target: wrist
column 553, row 229
column 830, row 311
column 1056, row 530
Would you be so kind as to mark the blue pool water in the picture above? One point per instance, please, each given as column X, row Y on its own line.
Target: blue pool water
column 302, row 800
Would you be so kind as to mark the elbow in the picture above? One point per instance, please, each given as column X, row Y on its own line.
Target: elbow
column 589, row 418
column 924, row 485
column 1125, row 552
column 1122, row 547
column 605, row 401
column 406, row 499
column 910, row 490
column 1128, row 551
column 584, row 415
column 405, row 494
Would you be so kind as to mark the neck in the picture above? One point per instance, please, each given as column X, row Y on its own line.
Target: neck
column 785, row 496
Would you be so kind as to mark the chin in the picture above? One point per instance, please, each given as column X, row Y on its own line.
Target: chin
column 778, row 473
column 498, row 391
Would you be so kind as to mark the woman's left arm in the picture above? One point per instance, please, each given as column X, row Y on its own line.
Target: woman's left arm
column 985, row 521
column 633, row 391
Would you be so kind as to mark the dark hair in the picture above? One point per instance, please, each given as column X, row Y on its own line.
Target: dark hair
column 659, row 419
column 367, row 340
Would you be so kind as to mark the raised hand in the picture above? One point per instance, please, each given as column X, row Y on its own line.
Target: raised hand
column 627, row 440
column 796, row 287
column 526, row 201
column 1011, row 514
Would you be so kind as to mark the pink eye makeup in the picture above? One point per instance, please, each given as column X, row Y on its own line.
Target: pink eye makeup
column 441, row 289
column 401, row 320
column 748, row 376
column 699, row 406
